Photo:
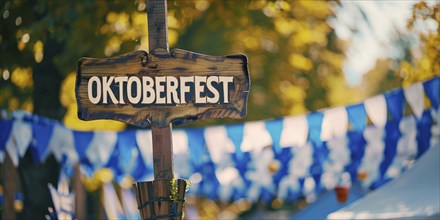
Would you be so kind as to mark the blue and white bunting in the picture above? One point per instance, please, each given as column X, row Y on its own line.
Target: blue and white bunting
column 286, row 158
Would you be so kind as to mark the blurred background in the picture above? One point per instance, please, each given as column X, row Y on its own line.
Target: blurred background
column 303, row 56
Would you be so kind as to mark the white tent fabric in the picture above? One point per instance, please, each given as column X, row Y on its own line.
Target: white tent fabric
column 414, row 195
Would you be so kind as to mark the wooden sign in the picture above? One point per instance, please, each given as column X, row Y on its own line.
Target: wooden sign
column 157, row 88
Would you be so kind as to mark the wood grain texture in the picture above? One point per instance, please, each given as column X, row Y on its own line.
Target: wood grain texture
column 160, row 62
column 163, row 154
column 157, row 24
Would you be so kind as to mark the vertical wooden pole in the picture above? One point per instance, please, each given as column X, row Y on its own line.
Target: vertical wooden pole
column 162, row 138
column 10, row 178
column 80, row 197
column 157, row 24
column 160, row 198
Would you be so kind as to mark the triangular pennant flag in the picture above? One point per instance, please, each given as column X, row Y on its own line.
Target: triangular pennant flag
column 181, row 153
column 334, row 124
column 275, row 128
column 424, row 125
column 42, row 133
column 432, row 90
column 123, row 158
column 414, row 95
column 395, row 103
column 5, row 128
column 196, row 144
column 235, row 133
column 19, row 140
column 314, row 121
column 218, row 142
column 358, row 116
column 110, row 200
column 255, row 136
column 63, row 200
column 82, row 140
column 61, row 143
column 145, row 145
column 101, row 147
column 376, row 108
column 129, row 204
column 295, row 131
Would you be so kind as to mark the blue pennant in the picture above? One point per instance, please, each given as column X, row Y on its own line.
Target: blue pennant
column 122, row 154
column 42, row 133
column 432, row 90
column 392, row 136
column 314, row 120
column 275, row 127
column 357, row 148
column 196, row 146
column 423, row 133
column 235, row 133
column 357, row 116
column 395, row 103
column 82, row 141
column 5, row 128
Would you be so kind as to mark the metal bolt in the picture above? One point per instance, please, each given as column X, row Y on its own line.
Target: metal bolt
column 144, row 59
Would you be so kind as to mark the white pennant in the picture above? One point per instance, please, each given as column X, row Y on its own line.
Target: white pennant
column 218, row 143
column 255, row 136
column 63, row 200
column 295, row 131
column 334, row 124
column 101, row 147
column 406, row 146
column 376, row 108
column 261, row 177
column 19, row 140
column 112, row 206
column 61, row 143
column 373, row 154
column 414, row 95
column 230, row 180
column 181, row 154
column 129, row 204
column 145, row 143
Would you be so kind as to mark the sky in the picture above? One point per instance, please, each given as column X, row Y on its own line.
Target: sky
column 370, row 27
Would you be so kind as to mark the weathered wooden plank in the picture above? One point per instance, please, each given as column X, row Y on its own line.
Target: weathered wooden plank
column 159, row 63
column 157, row 24
column 163, row 162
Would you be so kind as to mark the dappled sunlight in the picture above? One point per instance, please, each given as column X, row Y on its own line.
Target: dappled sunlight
column 22, row 78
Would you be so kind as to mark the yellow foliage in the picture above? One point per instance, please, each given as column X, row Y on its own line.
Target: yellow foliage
column 300, row 62
column 173, row 36
column 71, row 120
column 286, row 26
column 67, row 90
column 251, row 42
column 428, row 64
column 28, row 105
column 319, row 9
column 22, row 78
column 38, row 51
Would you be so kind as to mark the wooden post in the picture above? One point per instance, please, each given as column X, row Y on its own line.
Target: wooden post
column 162, row 138
column 80, row 197
column 10, row 178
